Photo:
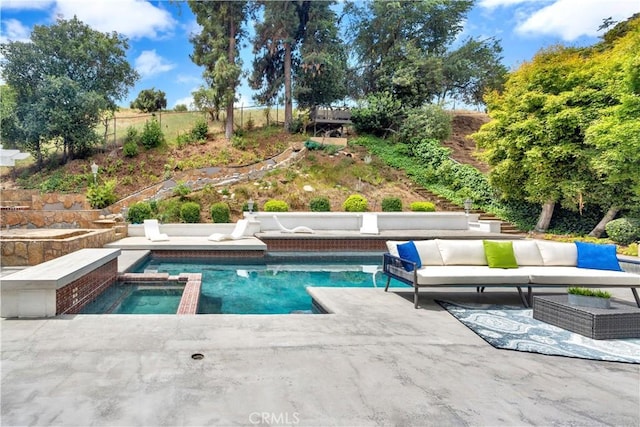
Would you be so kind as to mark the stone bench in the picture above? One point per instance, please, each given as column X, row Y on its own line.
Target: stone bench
column 60, row 286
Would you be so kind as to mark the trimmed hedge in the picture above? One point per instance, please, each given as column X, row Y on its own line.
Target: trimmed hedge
column 220, row 212
column 320, row 204
column 138, row 212
column 624, row 230
column 391, row 204
column 190, row 212
column 422, row 207
column 355, row 203
column 274, row 205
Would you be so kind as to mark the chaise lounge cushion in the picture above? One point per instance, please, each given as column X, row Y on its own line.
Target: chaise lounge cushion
column 597, row 256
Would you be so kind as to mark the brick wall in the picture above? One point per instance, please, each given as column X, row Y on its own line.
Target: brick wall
column 70, row 299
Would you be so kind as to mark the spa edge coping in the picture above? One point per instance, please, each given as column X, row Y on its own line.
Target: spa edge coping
column 58, row 272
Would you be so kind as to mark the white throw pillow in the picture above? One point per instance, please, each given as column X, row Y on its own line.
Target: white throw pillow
column 558, row 253
column 392, row 246
column 462, row 252
column 429, row 252
column 527, row 252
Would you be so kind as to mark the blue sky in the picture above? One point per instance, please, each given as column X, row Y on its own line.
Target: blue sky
column 158, row 32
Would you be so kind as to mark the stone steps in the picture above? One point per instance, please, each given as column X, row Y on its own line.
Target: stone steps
column 444, row 204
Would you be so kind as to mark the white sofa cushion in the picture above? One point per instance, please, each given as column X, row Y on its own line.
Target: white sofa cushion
column 470, row 275
column 429, row 252
column 392, row 246
column 462, row 252
column 558, row 253
column 527, row 252
column 572, row 276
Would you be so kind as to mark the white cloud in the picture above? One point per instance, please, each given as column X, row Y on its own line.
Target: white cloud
column 187, row 100
column 132, row 18
column 491, row 4
column 27, row 4
column 149, row 63
column 14, row 30
column 188, row 79
column 570, row 19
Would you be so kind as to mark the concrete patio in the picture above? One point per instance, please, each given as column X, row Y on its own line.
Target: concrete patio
column 374, row 361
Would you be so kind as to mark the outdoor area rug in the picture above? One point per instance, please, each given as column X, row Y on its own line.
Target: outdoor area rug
column 514, row 328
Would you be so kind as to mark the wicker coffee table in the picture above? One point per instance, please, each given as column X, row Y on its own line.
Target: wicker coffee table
column 620, row 321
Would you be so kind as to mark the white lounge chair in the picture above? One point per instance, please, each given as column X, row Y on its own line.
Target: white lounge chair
column 152, row 231
column 369, row 224
column 298, row 229
column 237, row 233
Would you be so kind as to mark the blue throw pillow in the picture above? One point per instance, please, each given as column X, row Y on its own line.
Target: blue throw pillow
column 596, row 256
column 409, row 252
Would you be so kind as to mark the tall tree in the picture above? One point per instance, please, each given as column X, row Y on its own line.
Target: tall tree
column 63, row 79
column 565, row 129
column 399, row 44
column 276, row 38
column 150, row 100
column 321, row 72
column 216, row 48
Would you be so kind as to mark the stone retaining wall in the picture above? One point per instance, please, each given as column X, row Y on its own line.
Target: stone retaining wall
column 31, row 252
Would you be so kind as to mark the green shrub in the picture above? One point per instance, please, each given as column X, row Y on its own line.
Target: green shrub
column 274, row 205
column 320, row 204
column 138, row 212
column 624, row 230
column 220, row 212
column 391, row 204
column 377, row 114
column 199, row 130
column 428, row 122
column 100, row 196
column 130, row 145
column 181, row 190
column 355, row 203
column 167, row 210
column 152, row 135
column 130, row 149
column 190, row 212
column 422, row 207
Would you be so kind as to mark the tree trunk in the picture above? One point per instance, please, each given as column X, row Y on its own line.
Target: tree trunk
column 228, row 129
column 545, row 217
column 599, row 229
column 288, row 108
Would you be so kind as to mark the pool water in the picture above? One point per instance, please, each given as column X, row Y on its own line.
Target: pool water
column 270, row 288
column 127, row 298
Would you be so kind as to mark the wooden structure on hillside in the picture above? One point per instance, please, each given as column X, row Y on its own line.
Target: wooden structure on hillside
column 330, row 121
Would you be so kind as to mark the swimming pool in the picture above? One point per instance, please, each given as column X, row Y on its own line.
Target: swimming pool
column 272, row 286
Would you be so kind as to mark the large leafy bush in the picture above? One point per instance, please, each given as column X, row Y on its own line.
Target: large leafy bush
column 138, row 212
column 428, row 122
column 320, row 204
column 624, row 230
column 100, row 196
column 377, row 114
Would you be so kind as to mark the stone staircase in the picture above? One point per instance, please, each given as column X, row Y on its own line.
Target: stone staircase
column 444, row 204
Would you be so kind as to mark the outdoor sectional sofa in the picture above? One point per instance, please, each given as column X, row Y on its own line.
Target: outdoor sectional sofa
column 538, row 263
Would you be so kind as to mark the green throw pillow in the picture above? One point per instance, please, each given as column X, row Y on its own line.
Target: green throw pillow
column 499, row 254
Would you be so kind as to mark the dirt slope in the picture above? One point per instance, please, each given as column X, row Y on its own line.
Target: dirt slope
column 463, row 147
